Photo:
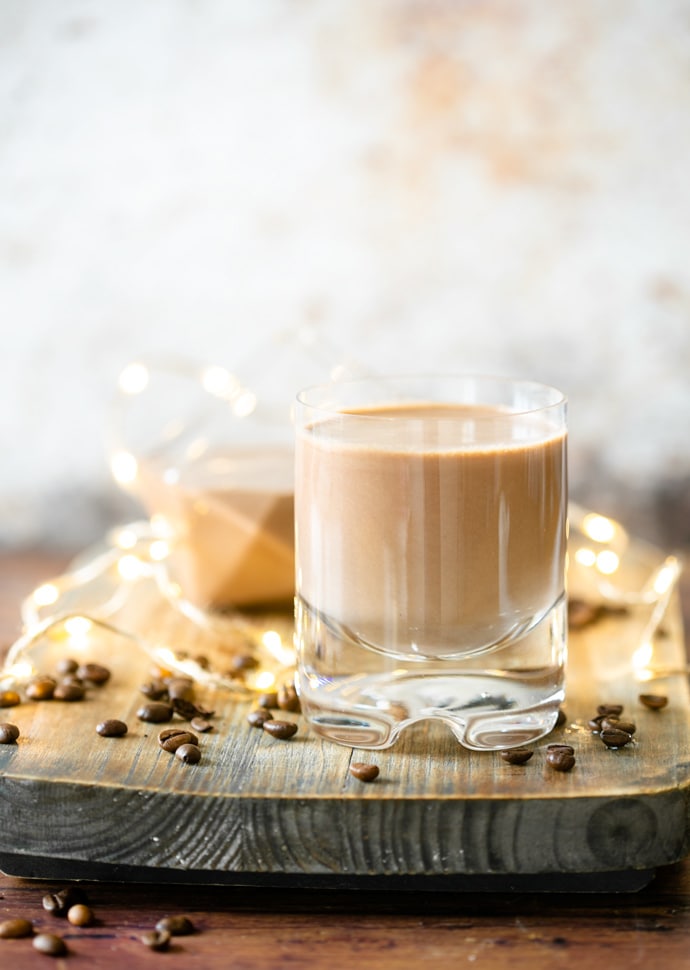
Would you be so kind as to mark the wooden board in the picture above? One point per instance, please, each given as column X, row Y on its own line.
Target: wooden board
column 257, row 810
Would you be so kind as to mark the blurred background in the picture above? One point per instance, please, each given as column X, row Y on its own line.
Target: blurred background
column 427, row 184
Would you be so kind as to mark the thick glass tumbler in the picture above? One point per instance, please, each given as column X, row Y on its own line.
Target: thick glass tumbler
column 430, row 558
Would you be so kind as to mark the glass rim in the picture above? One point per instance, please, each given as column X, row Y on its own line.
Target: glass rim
column 554, row 398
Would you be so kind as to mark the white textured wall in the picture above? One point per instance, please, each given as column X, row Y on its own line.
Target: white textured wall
column 456, row 184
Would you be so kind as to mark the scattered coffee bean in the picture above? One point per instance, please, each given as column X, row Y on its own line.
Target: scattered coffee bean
column 287, row 698
column 561, row 718
column 15, row 929
column 560, row 757
column 8, row 733
column 69, row 691
column 155, row 690
column 516, row 756
column 111, row 728
column 614, row 737
column 595, row 723
column 80, row 915
column 180, row 688
column 156, row 939
column 50, row 944
column 170, row 739
column 269, row 700
column 41, row 688
column 189, row 754
column 155, row 712
column 655, row 702
column 560, row 746
column 60, row 902
column 610, row 710
column 280, row 729
column 95, row 674
column 201, row 725
column 9, row 698
column 582, row 614
column 188, row 709
column 66, row 666
column 259, row 717
column 175, row 925
column 242, row 663
column 364, row 771
column 611, row 723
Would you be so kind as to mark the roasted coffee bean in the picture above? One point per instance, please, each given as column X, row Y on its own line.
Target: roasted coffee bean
column 189, row 754
column 364, row 771
column 280, row 729
column 560, row 757
column 155, row 690
column 242, row 663
column 66, row 666
column 9, row 698
column 201, row 660
column 516, row 756
column 50, row 944
column 15, row 929
column 559, row 746
column 612, row 723
column 155, row 712
column 614, row 737
column 94, row 673
column 655, row 702
column 259, row 717
column 80, row 915
column 60, row 902
column 171, row 739
column 561, row 718
column 582, row 614
column 175, row 925
column 69, row 691
column 269, row 700
column 41, row 688
column 610, row 710
column 201, row 725
column 287, row 698
column 111, row 728
column 188, row 709
column 180, row 688
column 8, row 733
column 595, row 723
column 156, row 939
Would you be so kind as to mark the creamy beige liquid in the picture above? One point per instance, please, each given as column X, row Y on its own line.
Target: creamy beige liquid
column 232, row 518
column 431, row 529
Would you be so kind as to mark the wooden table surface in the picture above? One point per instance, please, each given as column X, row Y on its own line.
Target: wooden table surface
column 252, row 928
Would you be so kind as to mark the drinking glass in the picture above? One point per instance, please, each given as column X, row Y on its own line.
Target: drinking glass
column 430, row 558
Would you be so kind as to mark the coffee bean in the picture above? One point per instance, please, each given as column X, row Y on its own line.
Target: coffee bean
column 9, row 698
column 516, row 756
column 556, row 746
column 259, row 717
column 50, row 944
column 69, row 691
column 156, row 939
column 269, row 700
column 189, row 754
column 364, row 771
column 175, row 925
column 80, row 915
column 66, row 666
column 201, row 725
column 94, row 673
column 595, row 723
column 111, row 728
column 155, row 690
column 155, row 712
column 60, row 902
column 655, row 702
column 560, row 757
column 41, row 688
column 243, row 662
column 610, row 710
column 8, row 733
column 15, row 929
column 170, row 739
column 180, row 688
column 561, row 718
column 287, row 698
column 280, row 729
column 582, row 614
column 615, row 738
column 613, row 723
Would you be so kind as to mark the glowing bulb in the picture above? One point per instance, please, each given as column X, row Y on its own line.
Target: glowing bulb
column 159, row 550
column 245, row 404
column 607, row 562
column 666, row 577
column 598, row 527
column 218, row 381
column 586, row 557
column 642, row 656
column 134, row 378
column 265, row 680
column 130, row 567
column 124, row 467
column 126, row 539
column 78, row 626
column 46, row 595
